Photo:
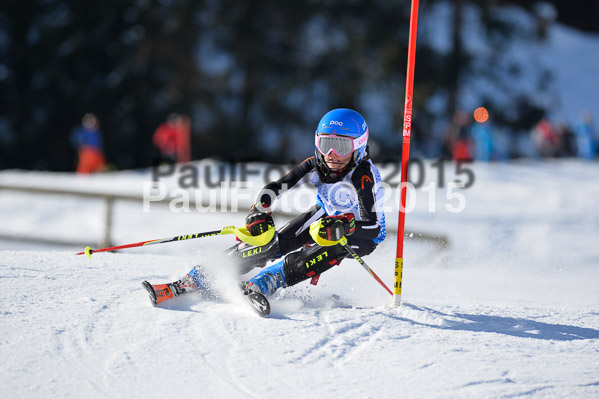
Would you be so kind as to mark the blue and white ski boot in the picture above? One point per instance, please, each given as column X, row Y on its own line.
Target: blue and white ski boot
column 268, row 280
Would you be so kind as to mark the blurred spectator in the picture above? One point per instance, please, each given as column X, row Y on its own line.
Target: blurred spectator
column 482, row 134
column 173, row 139
column 457, row 142
column 567, row 140
column 585, row 137
column 87, row 138
column 545, row 138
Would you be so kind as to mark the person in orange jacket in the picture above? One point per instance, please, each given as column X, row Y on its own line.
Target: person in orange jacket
column 87, row 138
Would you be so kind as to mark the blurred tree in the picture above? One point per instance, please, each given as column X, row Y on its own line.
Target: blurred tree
column 581, row 14
column 128, row 63
column 253, row 76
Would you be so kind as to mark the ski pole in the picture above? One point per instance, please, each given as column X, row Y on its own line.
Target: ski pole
column 239, row 232
column 343, row 241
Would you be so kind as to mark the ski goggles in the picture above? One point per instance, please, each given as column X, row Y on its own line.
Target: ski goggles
column 340, row 145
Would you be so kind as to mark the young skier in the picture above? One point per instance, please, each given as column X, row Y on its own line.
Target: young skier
column 348, row 203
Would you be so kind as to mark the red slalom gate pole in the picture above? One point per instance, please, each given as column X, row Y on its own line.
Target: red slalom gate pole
column 405, row 154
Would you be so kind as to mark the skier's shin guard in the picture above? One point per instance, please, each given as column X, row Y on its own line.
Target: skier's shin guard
column 312, row 261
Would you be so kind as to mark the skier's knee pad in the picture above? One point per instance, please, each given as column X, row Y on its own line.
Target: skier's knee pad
column 311, row 262
column 246, row 257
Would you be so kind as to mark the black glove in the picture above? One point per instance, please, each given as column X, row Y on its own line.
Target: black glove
column 259, row 220
column 332, row 228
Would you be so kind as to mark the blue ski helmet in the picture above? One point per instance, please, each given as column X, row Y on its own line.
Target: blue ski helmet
column 352, row 132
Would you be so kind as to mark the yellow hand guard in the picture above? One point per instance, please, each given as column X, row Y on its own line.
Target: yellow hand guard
column 314, row 229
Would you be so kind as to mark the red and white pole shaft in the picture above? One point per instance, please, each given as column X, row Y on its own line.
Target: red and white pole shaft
column 405, row 154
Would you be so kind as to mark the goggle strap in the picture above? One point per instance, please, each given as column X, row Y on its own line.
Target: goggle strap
column 360, row 140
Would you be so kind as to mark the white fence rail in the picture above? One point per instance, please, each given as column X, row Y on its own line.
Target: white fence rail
column 440, row 242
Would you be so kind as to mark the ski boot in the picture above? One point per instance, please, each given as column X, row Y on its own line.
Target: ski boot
column 191, row 282
column 267, row 281
column 264, row 283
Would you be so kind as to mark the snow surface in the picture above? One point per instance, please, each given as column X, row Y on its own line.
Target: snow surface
column 511, row 309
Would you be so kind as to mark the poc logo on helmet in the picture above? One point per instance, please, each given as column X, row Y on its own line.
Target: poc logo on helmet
column 336, row 123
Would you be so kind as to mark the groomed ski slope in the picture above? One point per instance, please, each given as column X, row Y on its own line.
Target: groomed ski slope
column 510, row 310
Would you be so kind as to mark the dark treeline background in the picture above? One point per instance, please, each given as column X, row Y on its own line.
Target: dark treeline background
column 254, row 76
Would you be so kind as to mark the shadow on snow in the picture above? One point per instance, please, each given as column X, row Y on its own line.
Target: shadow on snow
column 516, row 327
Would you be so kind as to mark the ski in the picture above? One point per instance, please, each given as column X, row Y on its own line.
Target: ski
column 259, row 303
column 161, row 292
